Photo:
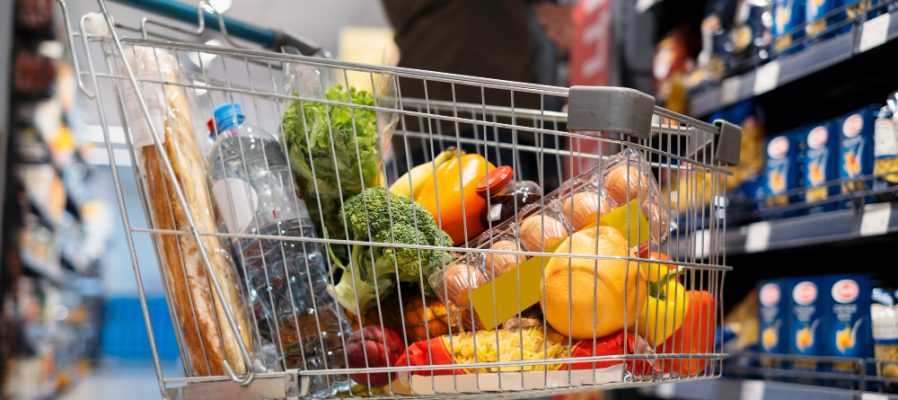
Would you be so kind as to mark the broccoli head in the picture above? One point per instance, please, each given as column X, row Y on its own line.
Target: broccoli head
column 372, row 271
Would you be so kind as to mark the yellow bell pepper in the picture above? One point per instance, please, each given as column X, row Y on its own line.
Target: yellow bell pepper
column 456, row 179
column 664, row 310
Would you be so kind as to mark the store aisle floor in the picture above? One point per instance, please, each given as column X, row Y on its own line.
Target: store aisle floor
column 116, row 380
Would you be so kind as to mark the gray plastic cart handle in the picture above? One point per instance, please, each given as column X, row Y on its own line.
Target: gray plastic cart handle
column 273, row 39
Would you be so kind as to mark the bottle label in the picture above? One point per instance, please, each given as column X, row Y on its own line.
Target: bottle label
column 237, row 202
column 886, row 145
column 495, row 213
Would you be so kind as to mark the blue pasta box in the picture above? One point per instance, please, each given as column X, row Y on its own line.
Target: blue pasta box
column 822, row 15
column 820, row 167
column 808, row 309
column 788, row 15
column 856, row 132
column 847, row 320
column 781, row 169
column 773, row 318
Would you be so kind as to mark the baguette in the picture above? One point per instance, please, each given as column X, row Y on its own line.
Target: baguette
column 206, row 337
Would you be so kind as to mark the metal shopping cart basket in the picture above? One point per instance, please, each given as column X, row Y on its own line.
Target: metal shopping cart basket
column 369, row 231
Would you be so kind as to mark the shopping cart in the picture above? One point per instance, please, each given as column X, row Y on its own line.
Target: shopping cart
column 270, row 325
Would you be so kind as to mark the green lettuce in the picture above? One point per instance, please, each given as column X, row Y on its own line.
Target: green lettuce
column 341, row 144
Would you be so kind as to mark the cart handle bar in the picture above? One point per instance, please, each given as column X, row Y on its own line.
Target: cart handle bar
column 273, row 39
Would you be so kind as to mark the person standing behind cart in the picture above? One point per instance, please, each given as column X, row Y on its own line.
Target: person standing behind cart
column 501, row 39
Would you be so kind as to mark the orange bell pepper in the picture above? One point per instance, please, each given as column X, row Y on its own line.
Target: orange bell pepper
column 694, row 337
column 455, row 182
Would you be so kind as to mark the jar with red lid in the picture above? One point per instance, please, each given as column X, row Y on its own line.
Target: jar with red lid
column 504, row 195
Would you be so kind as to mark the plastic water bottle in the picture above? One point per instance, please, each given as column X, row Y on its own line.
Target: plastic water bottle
column 253, row 189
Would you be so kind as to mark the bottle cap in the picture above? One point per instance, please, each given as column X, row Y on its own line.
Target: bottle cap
column 211, row 125
column 227, row 116
column 498, row 178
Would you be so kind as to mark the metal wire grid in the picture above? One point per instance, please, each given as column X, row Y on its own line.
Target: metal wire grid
column 257, row 79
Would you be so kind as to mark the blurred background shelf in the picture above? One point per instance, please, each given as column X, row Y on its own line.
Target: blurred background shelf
column 750, row 389
column 745, row 378
column 837, row 68
column 41, row 268
column 841, row 226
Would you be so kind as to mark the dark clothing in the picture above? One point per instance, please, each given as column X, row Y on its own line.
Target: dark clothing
column 486, row 38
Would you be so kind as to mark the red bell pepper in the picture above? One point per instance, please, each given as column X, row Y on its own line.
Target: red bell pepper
column 612, row 345
column 419, row 353
column 694, row 337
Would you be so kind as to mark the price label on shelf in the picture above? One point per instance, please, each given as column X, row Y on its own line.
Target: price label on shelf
column 875, row 220
column 767, row 77
column 758, row 237
column 665, row 391
column 752, row 390
column 874, row 33
column 873, row 396
column 729, row 90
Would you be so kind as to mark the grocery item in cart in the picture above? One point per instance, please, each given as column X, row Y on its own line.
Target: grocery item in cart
column 199, row 314
column 847, row 319
column 504, row 195
column 373, row 347
column 334, row 149
column 588, row 298
column 537, row 344
column 635, row 208
column 253, row 189
column 585, row 208
column 371, row 272
column 451, row 196
column 856, row 156
column 819, row 166
column 884, row 313
column 696, row 334
column 665, row 307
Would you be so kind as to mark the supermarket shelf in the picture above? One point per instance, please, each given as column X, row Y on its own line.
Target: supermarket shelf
column 786, row 69
column 840, row 225
column 52, row 273
column 744, row 389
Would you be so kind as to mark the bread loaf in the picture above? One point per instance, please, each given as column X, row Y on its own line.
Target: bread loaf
column 206, row 337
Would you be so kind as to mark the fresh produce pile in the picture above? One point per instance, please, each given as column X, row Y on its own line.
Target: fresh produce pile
column 414, row 301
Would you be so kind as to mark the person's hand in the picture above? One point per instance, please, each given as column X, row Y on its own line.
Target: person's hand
column 556, row 21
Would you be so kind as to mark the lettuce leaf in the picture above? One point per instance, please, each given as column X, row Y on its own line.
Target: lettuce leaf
column 340, row 143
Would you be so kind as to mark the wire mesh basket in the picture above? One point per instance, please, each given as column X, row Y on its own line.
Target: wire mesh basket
column 355, row 230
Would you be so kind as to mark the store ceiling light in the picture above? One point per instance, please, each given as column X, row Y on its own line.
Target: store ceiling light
column 221, row 5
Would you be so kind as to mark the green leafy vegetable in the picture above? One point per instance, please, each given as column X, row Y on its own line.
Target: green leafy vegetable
column 341, row 144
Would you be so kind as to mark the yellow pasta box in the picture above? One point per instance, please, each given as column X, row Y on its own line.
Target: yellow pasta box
column 773, row 318
column 847, row 320
column 807, row 308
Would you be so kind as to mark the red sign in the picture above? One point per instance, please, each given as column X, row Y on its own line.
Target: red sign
column 589, row 64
